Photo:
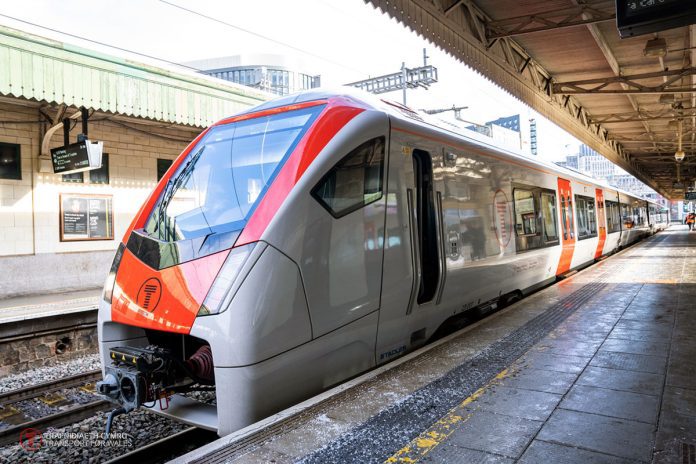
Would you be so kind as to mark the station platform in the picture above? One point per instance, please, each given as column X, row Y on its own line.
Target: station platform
column 39, row 306
column 599, row 368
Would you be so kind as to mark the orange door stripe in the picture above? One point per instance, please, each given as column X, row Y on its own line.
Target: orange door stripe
column 601, row 223
column 568, row 233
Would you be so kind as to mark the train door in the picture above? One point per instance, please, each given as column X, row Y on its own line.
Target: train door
column 567, row 226
column 601, row 222
column 424, row 226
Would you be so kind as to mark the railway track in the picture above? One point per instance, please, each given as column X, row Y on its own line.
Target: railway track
column 11, row 413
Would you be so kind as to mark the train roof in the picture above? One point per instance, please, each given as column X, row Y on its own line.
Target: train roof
column 398, row 111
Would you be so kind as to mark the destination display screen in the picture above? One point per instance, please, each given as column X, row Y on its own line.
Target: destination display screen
column 635, row 7
column 638, row 17
column 86, row 217
column 70, row 158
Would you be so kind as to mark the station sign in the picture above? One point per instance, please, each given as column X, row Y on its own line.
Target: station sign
column 77, row 157
column 637, row 17
column 690, row 196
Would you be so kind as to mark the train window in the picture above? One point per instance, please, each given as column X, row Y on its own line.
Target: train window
column 626, row 217
column 587, row 220
column 355, row 181
column 550, row 216
column 525, row 212
column 639, row 216
column 216, row 187
column 613, row 216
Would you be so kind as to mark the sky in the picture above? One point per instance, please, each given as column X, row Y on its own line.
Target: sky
column 342, row 40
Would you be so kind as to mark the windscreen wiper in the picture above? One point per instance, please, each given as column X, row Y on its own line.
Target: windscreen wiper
column 171, row 189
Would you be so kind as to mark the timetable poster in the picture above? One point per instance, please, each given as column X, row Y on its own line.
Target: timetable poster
column 86, row 217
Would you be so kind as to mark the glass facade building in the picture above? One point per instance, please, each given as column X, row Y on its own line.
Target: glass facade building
column 269, row 73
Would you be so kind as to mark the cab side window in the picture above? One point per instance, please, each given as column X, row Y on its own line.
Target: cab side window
column 353, row 182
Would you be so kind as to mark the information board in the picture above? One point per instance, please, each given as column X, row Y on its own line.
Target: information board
column 690, row 196
column 77, row 157
column 637, row 17
column 86, row 217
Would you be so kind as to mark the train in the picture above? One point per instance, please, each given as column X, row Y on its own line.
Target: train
column 311, row 238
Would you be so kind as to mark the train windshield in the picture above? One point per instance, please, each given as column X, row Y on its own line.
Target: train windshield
column 216, row 188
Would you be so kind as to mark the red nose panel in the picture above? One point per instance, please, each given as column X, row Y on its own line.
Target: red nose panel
column 165, row 300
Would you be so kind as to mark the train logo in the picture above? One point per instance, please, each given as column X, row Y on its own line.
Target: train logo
column 503, row 218
column 149, row 294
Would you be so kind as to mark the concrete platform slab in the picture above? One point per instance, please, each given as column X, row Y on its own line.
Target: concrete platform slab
column 544, row 452
column 630, row 362
column 613, row 403
column 617, row 437
column 615, row 379
column 38, row 306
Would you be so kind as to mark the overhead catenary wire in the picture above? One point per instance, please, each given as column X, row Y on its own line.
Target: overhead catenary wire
column 261, row 36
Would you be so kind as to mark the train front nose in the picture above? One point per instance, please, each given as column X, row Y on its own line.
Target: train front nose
column 187, row 252
column 145, row 319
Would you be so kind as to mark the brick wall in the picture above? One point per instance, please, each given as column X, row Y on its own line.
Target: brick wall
column 16, row 221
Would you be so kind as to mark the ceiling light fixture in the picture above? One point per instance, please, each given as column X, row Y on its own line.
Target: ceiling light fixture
column 656, row 47
column 667, row 99
column 679, row 154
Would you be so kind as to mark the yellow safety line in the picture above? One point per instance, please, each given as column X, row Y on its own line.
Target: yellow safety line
column 442, row 429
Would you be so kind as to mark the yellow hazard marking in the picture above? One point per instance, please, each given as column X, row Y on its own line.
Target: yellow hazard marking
column 443, row 428
column 51, row 399
column 89, row 388
column 8, row 411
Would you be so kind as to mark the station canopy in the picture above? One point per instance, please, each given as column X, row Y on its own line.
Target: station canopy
column 632, row 99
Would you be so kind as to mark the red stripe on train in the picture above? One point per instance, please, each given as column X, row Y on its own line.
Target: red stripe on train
column 337, row 114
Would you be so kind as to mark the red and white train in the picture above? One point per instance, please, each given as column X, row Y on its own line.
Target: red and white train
column 318, row 235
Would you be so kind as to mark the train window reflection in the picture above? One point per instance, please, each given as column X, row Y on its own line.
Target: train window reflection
column 613, row 216
column 548, row 211
column 587, row 220
column 355, row 181
column 215, row 188
column 525, row 213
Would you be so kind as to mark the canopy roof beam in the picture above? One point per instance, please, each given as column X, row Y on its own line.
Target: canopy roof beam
column 632, row 86
column 548, row 20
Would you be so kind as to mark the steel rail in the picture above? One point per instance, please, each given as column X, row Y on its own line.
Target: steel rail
column 51, row 386
column 59, row 419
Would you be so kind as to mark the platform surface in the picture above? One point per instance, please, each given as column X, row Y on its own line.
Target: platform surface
column 600, row 368
column 36, row 306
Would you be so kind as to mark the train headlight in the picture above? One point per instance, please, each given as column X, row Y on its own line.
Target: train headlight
column 111, row 277
column 220, row 295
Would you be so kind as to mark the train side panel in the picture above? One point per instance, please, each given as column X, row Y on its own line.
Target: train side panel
column 473, row 189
